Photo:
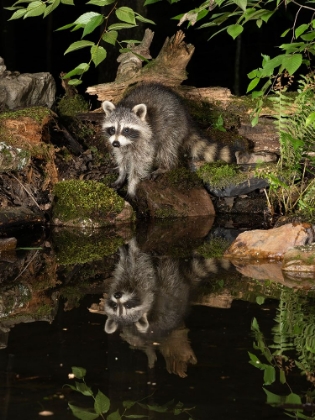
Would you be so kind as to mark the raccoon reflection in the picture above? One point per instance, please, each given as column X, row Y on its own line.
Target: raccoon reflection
column 146, row 292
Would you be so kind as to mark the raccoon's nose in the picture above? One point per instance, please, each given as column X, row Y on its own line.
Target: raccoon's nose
column 116, row 143
column 118, row 295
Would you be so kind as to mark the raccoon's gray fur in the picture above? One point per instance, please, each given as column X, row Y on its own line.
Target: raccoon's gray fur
column 146, row 292
column 147, row 130
column 152, row 294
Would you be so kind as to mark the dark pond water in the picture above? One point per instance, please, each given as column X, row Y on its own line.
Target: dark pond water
column 218, row 340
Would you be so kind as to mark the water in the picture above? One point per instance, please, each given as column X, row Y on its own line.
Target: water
column 47, row 329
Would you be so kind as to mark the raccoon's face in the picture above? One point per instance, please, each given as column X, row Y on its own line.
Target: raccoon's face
column 125, row 308
column 123, row 126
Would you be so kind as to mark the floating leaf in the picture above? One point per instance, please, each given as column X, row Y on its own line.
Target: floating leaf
column 269, row 375
column 102, row 403
column 84, row 389
column 78, row 372
column 82, row 413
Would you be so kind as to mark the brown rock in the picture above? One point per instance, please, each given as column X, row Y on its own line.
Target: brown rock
column 272, row 243
column 158, row 200
column 300, row 259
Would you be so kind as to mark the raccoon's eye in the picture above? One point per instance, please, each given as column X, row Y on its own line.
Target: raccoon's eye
column 127, row 305
column 126, row 130
column 111, row 130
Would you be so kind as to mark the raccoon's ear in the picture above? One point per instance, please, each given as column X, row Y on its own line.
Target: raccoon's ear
column 140, row 110
column 142, row 324
column 110, row 326
column 108, row 107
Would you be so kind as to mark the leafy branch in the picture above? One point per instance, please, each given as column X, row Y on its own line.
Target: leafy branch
column 101, row 405
column 88, row 22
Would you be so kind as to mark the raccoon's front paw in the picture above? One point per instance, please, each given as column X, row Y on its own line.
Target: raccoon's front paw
column 117, row 185
column 155, row 174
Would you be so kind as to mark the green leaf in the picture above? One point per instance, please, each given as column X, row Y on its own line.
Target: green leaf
column 136, row 416
column 80, row 69
column 310, row 119
column 293, row 399
column 77, row 45
column 93, row 24
column 255, row 326
column 51, row 7
column 235, row 30
column 260, row 300
column 269, row 375
column 117, row 26
column 285, row 33
column 101, row 2
column 75, row 82
column 110, row 37
column 310, row 36
column 102, row 403
column 82, row 413
column 128, row 404
column 78, row 372
column 68, row 26
column 300, row 30
column 84, row 389
column 114, row 416
column 85, row 18
column 292, row 62
column 253, row 84
column 35, row 8
column 98, row 54
column 156, row 407
column 68, row 2
column 282, row 376
column 241, row 3
column 144, row 20
column 147, row 2
column 273, row 399
column 126, row 14
column 18, row 14
column 255, row 361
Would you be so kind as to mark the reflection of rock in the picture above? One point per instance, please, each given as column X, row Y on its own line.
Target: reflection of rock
column 272, row 243
column 223, row 300
column 300, row 259
column 260, row 270
column 24, row 90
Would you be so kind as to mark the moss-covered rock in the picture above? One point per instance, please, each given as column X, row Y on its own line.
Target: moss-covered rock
column 88, row 204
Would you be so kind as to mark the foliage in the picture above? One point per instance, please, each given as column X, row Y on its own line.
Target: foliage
column 109, row 22
column 292, row 183
column 102, row 404
column 294, row 330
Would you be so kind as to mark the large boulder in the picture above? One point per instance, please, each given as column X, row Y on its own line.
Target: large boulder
column 24, row 90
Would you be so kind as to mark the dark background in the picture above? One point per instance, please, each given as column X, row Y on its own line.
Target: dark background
column 33, row 45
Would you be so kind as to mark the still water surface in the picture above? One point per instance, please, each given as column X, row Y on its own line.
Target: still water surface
column 215, row 339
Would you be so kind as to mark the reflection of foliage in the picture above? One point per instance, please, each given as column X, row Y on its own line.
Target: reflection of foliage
column 214, row 248
column 294, row 331
column 71, row 247
column 102, row 403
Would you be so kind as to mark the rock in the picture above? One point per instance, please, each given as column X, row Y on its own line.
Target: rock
column 177, row 193
column 89, row 204
column 13, row 158
column 159, row 200
column 234, row 190
column 7, row 244
column 24, row 90
column 300, row 259
column 272, row 243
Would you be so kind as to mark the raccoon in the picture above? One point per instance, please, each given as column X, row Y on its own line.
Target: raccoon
column 146, row 292
column 148, row 129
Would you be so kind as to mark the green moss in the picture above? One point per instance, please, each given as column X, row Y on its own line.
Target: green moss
column 73, row 247
column 76, row 199
column 221, row 175
column 69, row 106
column 37, row 113
column 166, row 213
column 182, row 178
column 214, row 248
